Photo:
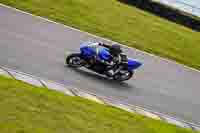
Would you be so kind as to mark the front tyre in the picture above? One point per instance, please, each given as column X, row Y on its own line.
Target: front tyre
column 74, row 60
column 123, row 75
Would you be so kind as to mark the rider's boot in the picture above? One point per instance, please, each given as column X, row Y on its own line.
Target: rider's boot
column 110, row 71
column 113, row 70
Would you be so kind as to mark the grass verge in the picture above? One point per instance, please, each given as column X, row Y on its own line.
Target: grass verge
column 28, row 109
column 122, row 23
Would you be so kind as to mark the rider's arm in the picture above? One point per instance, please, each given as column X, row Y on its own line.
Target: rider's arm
column 110, row 63
column 107, row 62
column 105, row 45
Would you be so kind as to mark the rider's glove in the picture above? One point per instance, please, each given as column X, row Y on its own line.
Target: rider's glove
column 100, row 44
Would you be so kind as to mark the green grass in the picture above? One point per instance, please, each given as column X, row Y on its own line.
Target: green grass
column 122, row 23
column 28, row 109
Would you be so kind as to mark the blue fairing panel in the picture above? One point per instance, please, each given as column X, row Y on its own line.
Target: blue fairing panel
column 133, row 64
column 89, row 49
column 86, row 51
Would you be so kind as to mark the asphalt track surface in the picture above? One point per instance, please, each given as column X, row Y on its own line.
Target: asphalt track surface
column 38, row 47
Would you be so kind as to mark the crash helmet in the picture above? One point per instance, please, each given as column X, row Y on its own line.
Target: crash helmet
column 115, row 49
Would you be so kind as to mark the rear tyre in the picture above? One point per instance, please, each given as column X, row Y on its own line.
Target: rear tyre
column 74, row 60
column 123, row 75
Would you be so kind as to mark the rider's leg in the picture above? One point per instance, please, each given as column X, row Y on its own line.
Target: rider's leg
column 110, row 70
column 114, row 69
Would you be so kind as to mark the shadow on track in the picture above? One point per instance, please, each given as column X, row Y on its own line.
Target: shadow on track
column 103, row 80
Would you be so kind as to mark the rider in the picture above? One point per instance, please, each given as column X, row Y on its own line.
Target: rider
column 115, row 51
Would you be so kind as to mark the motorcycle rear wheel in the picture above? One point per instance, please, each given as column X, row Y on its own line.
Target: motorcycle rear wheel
column 74, row 60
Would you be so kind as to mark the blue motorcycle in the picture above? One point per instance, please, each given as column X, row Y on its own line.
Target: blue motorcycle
column 124, row 70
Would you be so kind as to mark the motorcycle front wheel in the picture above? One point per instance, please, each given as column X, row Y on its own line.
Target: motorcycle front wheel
column 74, row 60
column 123, row 75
